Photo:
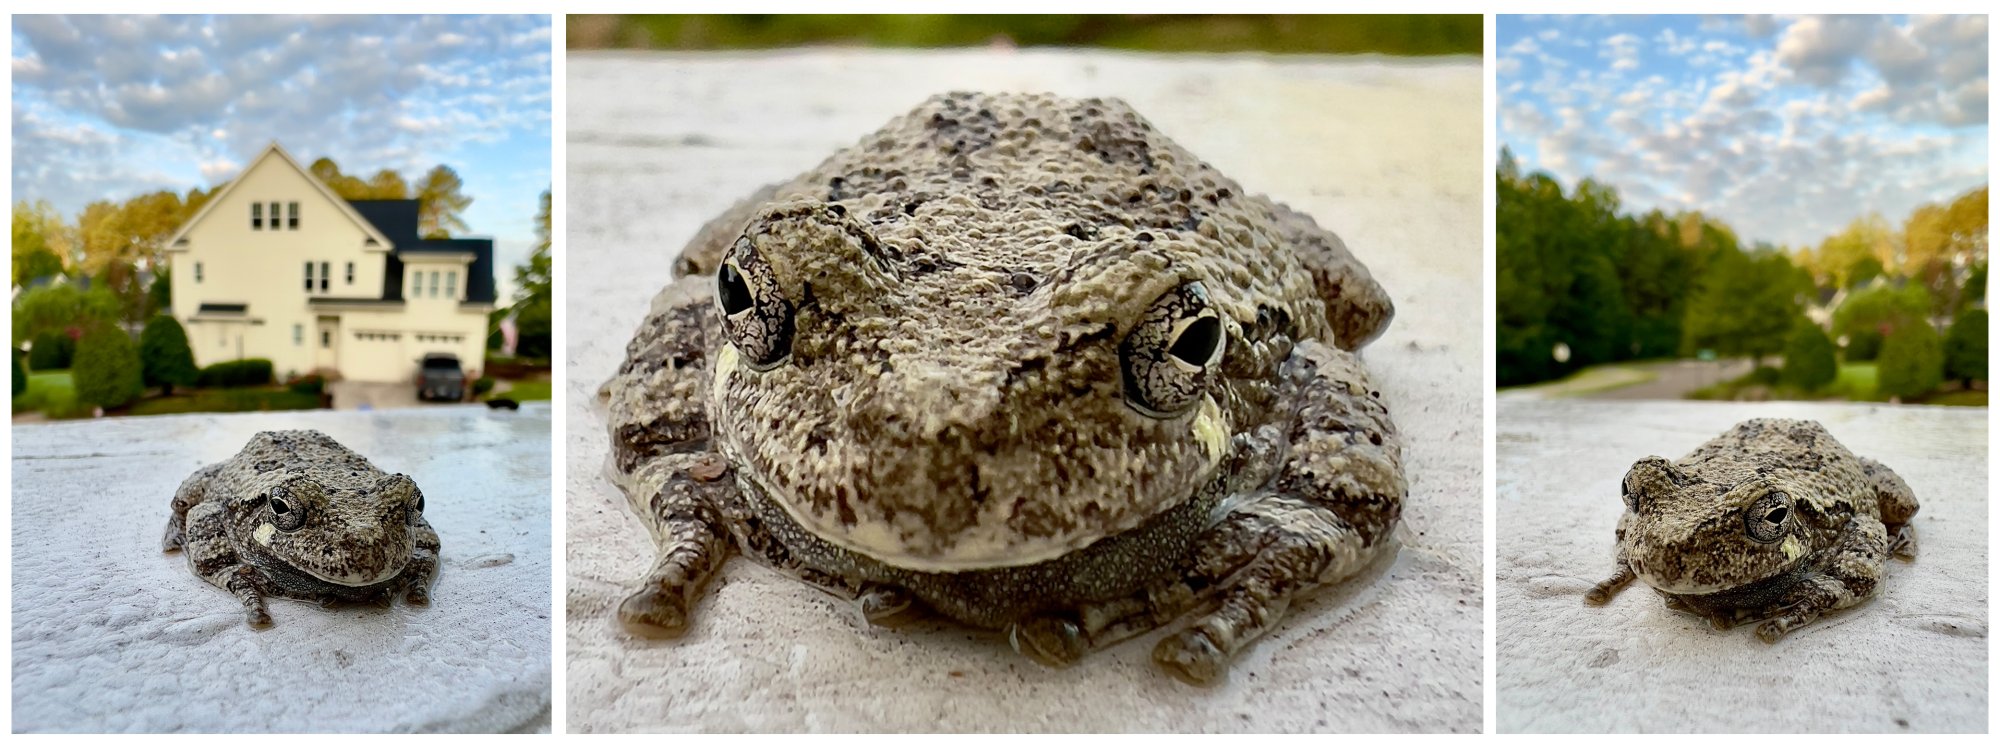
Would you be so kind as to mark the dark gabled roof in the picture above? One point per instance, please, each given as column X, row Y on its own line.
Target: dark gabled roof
column 223, row 308
column 397, row 219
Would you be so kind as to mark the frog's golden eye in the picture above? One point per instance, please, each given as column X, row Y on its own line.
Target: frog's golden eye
column 287, row 513
column 1769, row 519
column 1168, row 358
column 755, row 314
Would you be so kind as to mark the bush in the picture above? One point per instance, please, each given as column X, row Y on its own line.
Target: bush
column 246, row 372
column 312, row 384
column 1912, row 362
column 482, row 385
column 164, row 356
column 1762, row 376
column 1965, row 348
column 1863, row 346
column 20, row 373
column 106, row 369
column 52, row 351
column 1809, row 363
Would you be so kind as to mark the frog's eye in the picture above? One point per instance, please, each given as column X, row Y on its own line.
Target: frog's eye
column 1769, row 518
column 755, row 314
column 287, row 513
column 1168, row 357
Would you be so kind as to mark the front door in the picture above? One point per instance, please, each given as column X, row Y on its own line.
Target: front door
column 327, row 339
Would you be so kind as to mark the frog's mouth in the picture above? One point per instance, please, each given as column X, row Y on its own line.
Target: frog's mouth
column 1795, row 561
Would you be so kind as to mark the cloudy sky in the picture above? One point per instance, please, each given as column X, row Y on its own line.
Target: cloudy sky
column 1785, row 128
column 106, row 107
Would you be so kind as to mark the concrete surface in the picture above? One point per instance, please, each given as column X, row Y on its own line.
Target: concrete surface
column 111, row 634
column 1386, row 154
column 1913, row 659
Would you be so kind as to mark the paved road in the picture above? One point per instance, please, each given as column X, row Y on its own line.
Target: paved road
column 1674, row 379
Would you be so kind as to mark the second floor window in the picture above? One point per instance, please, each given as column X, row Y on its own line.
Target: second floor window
column 292, row 215
column 350, row 273
column 451, row 284
column 309, row 277
column 325, row 274
column 298, row 334
column 434, row 283
column 256, row 216
column 197, row 272
column 274, row 216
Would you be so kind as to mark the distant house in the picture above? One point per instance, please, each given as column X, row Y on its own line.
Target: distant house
column 277, row 266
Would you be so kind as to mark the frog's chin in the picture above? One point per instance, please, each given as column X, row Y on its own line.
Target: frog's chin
column 1720, row 590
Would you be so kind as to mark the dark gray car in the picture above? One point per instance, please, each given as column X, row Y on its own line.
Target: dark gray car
column 441, row 378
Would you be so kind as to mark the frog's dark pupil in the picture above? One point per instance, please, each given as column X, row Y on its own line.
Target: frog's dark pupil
column 1198, row 341
column 1776, row 516
column 278, row 505
column 731, row 290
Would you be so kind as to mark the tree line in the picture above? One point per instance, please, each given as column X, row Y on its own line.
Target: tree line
column 1580, row 282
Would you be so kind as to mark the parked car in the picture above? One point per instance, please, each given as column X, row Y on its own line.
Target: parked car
column 440, row 378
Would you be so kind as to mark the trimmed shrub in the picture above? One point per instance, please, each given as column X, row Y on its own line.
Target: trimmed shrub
column 1809, row 363
column 106, row 369
column 52, row 351
column 1965, row 348
column 164, row 355
column 245, row 372
column 1863, row 346
column 1763, row 376
column 312, row 384
column 1912, row 362
column 482, row 385
column 20, row 365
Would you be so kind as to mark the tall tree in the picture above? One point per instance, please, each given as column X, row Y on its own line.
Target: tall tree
column 40, row 241
column 386, row 184
column 1746, row 304
column 347, row 187
column 534, row 292
column 443, row 203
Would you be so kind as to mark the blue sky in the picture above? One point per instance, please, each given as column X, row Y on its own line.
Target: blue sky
column 1786, row 128
column 107, row 107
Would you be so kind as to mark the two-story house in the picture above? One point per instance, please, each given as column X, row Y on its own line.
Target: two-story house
column 277, row 266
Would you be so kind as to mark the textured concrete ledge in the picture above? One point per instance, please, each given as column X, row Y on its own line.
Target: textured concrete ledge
column 1386, row 155
column 1913, row 659
column 110, row 634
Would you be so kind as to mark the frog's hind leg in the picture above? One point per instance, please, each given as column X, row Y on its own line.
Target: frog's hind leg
column 1848, row 579
column 1898, row 504
column 191, row 492
column 1331, row 509
column 693, row 541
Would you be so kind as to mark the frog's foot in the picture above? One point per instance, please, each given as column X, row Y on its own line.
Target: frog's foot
column 175, row 536
column 1903, row 541
column 888, row 606
column 247, row 584
column 1602, row 593
column 693, row 545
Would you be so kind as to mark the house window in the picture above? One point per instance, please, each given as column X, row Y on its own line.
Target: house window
column 350, row 273
column 325, row 338
column 197, row 272
column 451, row 284
column 274, row 216
column 434, row 283
column 256, row 216
column 309, row 277
column 298, row 334
column 325, row 274
column 292, row 215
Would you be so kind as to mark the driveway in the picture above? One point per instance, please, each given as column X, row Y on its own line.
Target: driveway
column 368, row 395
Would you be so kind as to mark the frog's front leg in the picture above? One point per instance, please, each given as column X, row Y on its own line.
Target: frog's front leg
column 1330, row 509
column 212, row 558
column 422, row 571
column 692, row 541
column 192, row 492
column 1622, row 574
column 1848, row 578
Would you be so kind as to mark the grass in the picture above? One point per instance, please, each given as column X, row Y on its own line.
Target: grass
column 1599, row 378
column 53, row 393
column 245, row 399
column 1854, row 383
column 534, row 390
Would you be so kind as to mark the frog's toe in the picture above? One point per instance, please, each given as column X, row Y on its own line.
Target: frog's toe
column 258, row 619
column 1050, row 640
column 888, row 606
column 1770, row 632
column 652, row 614
column 1192, row 657
column 418, row 595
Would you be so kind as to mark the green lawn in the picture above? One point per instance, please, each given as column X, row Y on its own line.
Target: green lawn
column 1856, row 382
column 536, row 390
column 51, row 392
column 246, row 399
